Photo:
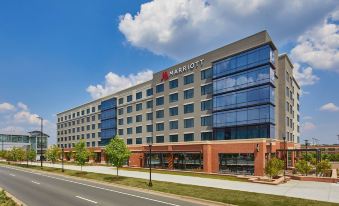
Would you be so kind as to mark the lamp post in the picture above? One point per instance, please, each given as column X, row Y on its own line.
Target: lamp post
column 41, row 119
column 150, row 164
column 306, row 144
column 284, row 138
column 62, row 160
column 27, row 155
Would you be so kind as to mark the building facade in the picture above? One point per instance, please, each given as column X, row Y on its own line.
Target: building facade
column 220, row 112
column 30, row 140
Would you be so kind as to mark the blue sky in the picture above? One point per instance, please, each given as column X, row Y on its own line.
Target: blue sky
column 52, row 51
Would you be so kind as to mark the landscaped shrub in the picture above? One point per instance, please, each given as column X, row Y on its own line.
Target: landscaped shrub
column 274, row 167
column 303, row 167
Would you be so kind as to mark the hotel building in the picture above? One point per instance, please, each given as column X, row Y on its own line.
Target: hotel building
column 221, row 112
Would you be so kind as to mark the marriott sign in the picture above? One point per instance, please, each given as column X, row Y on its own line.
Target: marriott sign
column 191, row 66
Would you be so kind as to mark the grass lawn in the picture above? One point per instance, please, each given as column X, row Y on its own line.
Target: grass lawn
column 214, row 194
column 6, row 201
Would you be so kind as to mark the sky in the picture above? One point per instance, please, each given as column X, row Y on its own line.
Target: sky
column 55, row 55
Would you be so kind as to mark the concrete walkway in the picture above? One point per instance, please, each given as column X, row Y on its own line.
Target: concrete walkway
column 328, row 192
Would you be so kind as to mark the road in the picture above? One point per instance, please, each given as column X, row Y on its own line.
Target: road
column 41, row 189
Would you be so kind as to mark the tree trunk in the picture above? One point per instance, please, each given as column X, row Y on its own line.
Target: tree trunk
column 117, row 171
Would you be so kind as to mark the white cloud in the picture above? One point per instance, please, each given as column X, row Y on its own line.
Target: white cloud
column 307, row 126
column 307, row 118
column 330, row 107
column 6, row 107
column 185, row 28
column 304, row 76
column 22, row 106
column 115, row 82
column 26, row 117
column 319, row 47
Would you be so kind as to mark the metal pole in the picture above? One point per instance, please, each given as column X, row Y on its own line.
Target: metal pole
column 150, row 166
column 41, row 143
column 62, row 160
column 306, row 144
column 284, row 138
column 27, row 155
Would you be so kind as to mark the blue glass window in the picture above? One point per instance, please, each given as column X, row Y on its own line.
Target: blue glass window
column 189, row 123
column 129, row 130
column 207, row 89
column 173, row 124
column 159, row 139
column 188, row 79
column 159, row 114
column 207, row 121
column 206, row 136
column 173, row 111
column 129, row 98
column 138, row 129
column 129, row 109
column 173, row 97
column 138, row 118
column 159, row 88
column 129, row 141
column 188, row 94
column 149, row 92
column 138, row 140
column 149, row 116
column 188, row 137
column 173, row 84
column 138, row 95
column 173, row 138
column 159, row 101
column 206, row 105
column 138, row 107
column 206, row 74
column 149, row 128
column 159, row 126
column 189, row 108
column 149, row 104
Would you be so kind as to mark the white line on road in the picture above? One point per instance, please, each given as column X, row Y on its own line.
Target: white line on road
column 86, row 199
column 96, row 187
column 36, row 182
column 12, row 175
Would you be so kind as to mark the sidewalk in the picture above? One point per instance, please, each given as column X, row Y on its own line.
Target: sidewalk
column 328, row 192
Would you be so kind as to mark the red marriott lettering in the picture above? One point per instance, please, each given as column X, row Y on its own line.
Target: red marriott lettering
column 164, row 76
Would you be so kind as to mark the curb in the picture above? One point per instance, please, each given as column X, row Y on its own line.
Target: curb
column 16, row 200
column 163, row 194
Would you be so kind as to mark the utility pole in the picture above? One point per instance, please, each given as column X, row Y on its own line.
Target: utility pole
column 306, row 144
column 41, row 119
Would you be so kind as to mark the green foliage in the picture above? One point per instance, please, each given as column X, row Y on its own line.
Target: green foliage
column 308, row 157
column 81, row 153
column 322, row 166
column 6, row 201
column 15, row 154
column 117, row 152
column 31, row 155
column 3, row 154
column 303, row 167
column 52, row 153
column 274, row 167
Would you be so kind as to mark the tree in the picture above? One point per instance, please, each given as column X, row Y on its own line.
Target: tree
column 81, row 153
column 274, row 167
column 117, row 152
column 303, row 167
column 322, row 166
column 31, row 155
column 52, row 153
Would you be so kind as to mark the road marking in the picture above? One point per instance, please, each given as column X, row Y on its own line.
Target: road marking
column 12, row 175
column 36, row 182
column 96, row 187
column 86, row 199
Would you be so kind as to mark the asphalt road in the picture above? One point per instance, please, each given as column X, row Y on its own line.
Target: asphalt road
column 40, row 189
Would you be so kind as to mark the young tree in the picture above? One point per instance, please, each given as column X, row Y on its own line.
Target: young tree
column 52, row 153
column 274, row 167
column 303, row 167
column 31, row 155
column 81, row 153
column 117, row 152
column 323, row 166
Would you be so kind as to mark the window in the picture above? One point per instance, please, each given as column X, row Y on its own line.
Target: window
column 206, row 74
column 129, row 98
column 149, row 140
column 159, row 88
column 93, row 119
column 93, row 127
column 189, row 123
column 207, row 89
column 129, row 141
column 138, row 107
column 93, row 110
column 88, row 135
column 149, row 104
column 129, row 109
column 149, row 92
column 138, row 118
column 173, row 111
column 121, row 111
column 173, row 138
column 207, row 121
column 88, row 111
column 138, row 129
column 159, row 114
column 160, row 126
column 121, row 132
column 206, row 136
column 173, row 97
column 206, row 105
column 149, row 116
column 173, row 84
column 93, row 135
column 138, row 140
column 138, row 95
column 149, row 128
column 173, row 124
column 121, row 101
column 129, row 120
column 188, row 137
column 129, row 130
column 159, row 139
column 121, row 121
column 188, row 79
column 159, row 101
column 188, row 94
column 189, row 108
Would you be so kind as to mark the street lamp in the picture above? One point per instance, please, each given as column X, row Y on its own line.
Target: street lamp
column 62, row 160
column 41, row 119
column 306, row 144
column 150, row 164
column 285, row 166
